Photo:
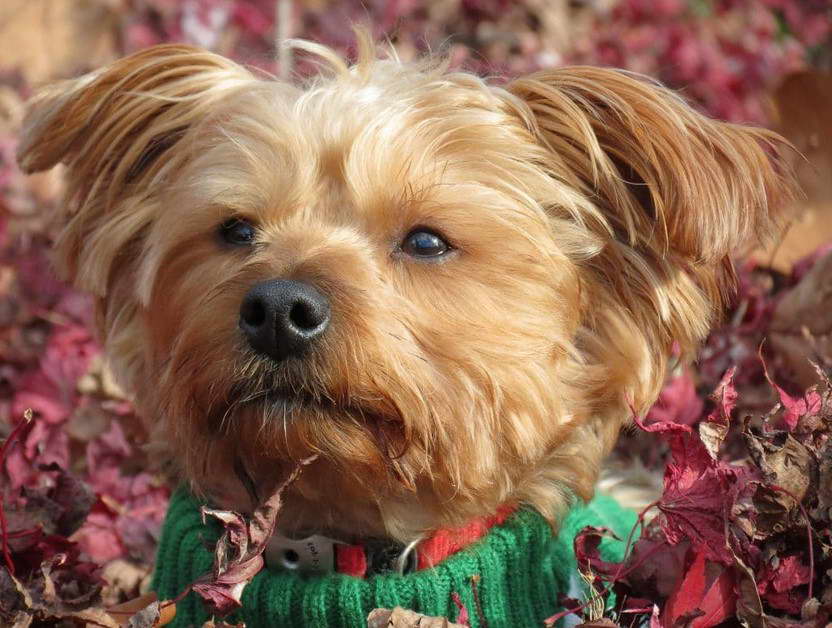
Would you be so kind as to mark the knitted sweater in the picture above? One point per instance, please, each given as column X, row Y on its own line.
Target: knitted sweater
column 522, row 570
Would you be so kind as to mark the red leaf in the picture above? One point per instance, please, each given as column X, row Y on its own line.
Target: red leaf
column 796, row 407
column 462, row 618
column 709, row 596
column 695, row 498
column 677, row 403
column 697, row 485
column 587, row 543
column 777, row 583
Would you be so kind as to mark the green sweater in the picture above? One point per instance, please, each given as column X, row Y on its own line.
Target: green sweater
column 522, row 570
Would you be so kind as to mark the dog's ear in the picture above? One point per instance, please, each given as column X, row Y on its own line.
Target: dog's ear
column 114, row 129
column 665, row 177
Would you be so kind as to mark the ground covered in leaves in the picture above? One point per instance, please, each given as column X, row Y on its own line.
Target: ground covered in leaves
column 741, row 532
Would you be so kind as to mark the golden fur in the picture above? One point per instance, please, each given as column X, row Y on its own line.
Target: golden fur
column 592, row 212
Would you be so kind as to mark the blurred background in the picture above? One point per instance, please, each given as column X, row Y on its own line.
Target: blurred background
column 751, row 61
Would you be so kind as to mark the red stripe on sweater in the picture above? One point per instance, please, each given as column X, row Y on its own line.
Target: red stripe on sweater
column 351, row 560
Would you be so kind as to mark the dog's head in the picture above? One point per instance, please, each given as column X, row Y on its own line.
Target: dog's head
column 455, row 293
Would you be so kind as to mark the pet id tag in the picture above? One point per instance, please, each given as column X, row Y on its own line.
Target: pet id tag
column 312, row 555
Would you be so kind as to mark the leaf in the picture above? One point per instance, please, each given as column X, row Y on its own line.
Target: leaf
column 462, row 618
column 403, row 618
column 789, row 469
column 797, row 408
column 148, row 617
column 714, row 428
column 705, row 595
column 778, row 579
column 143, row 612
column 677, row 402
column 221, row 624
column 238, row 552
column 587, row 551
column 694, row 504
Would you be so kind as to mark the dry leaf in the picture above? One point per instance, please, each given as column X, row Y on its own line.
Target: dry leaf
column 403, row 618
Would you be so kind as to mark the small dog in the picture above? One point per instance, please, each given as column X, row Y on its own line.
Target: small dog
column 454, row 293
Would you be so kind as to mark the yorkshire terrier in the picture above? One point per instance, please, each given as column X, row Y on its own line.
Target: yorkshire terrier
column 454, row 292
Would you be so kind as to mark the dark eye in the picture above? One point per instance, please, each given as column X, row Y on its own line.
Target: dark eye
column 424, row 243
column 237, row 232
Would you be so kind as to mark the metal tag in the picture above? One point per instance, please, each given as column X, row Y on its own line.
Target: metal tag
column 312, row 555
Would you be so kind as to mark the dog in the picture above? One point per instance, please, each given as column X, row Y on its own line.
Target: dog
column 454, row 292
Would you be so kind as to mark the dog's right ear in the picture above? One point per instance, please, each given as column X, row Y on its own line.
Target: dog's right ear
column 114, row 129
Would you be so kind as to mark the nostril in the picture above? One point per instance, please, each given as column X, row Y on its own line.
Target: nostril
column 253, row 313
column 303, row 316
column 281, row 318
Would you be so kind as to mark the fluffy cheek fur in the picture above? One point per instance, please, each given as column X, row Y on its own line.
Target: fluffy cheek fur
column 592, row 215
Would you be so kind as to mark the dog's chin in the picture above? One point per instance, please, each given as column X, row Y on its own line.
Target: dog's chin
column 285, row 406
column 267, row 433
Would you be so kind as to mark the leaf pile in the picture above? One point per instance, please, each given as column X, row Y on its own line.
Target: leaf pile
column 43, row 575
column 744, row 524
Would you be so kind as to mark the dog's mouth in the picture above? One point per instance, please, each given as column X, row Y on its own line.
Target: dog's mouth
column 296, row 399
column 280, row 398
column 288, row 401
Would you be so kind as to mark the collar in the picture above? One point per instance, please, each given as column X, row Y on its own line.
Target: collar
column 322, row 555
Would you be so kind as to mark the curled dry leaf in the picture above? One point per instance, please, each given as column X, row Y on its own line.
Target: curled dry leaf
column 238, row 555
column 714, row 429
column 403, row 618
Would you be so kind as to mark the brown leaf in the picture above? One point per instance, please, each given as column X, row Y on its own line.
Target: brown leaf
column 785, row 463
column 148, row 617
column 21, row 620
column 143, row 612
column 749, row 605
column 403, row 618
column 124, row 580
column 801, row 326
column 97, row 617
column 823, row 510
column 238, row 555
column 714, row 428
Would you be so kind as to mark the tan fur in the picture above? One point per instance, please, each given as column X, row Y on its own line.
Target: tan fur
column 593, row 214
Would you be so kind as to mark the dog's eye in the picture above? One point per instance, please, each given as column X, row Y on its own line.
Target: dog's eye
column 237, row 232
column 424, row 243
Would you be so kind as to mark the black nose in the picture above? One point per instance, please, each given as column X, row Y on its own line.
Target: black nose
column 282, row 318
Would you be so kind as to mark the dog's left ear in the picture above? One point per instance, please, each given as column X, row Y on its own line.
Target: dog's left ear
column 665, row 198
column 665, row 177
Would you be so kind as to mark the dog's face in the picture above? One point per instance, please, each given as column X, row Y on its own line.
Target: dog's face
column 453, row 293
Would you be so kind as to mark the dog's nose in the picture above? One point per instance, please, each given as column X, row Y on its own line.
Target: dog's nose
column 282, row 317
